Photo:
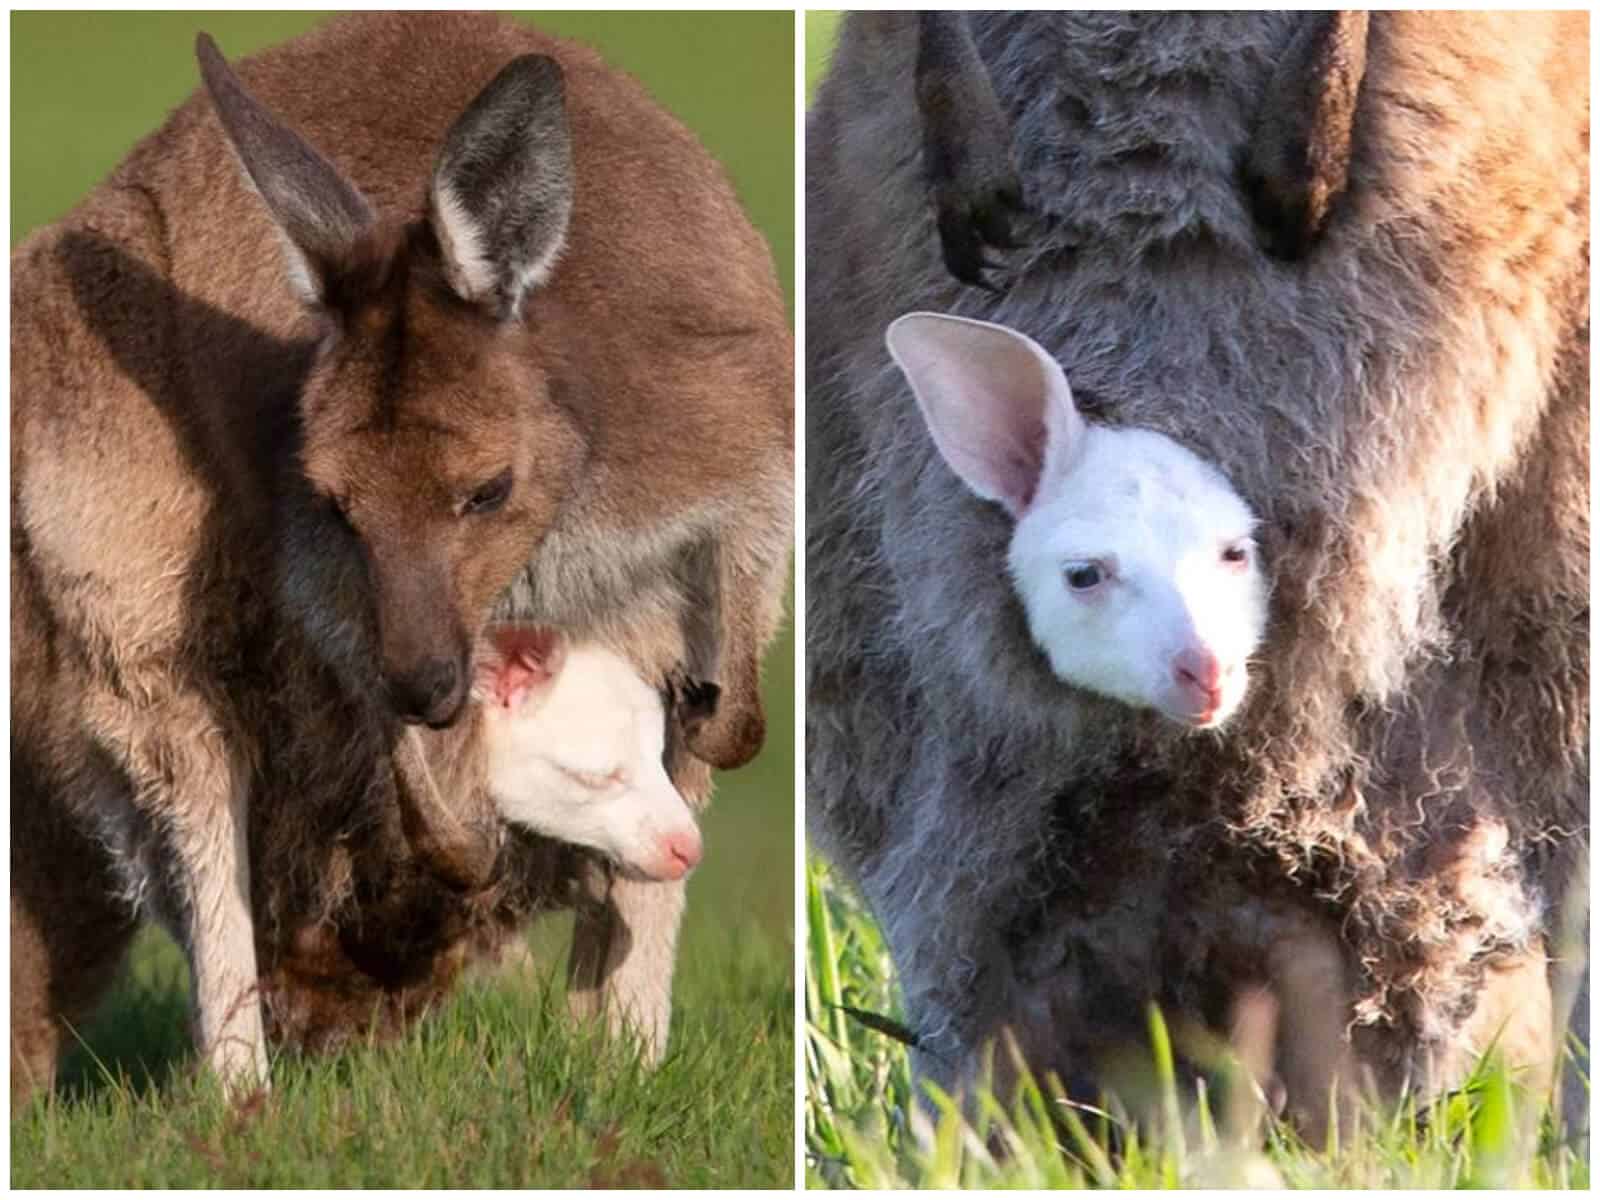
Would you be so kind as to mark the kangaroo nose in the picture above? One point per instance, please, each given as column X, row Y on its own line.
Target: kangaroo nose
column 680, row 854
column 1198, row 670
column 432, row 695
column 685, row 847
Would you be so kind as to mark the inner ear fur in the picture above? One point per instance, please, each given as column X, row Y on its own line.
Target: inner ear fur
column 329, row 229
column 997, row 406
column 516, row 658
column 501, row 196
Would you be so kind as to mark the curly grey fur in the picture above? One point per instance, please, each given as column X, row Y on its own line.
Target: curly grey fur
column 1407, row 410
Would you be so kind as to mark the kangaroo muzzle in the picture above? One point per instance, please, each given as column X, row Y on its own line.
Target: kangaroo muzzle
column 433, row 694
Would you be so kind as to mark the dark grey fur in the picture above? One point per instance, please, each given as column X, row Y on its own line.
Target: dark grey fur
column 1406, row 406
column 1297, row 163
column 966, row 146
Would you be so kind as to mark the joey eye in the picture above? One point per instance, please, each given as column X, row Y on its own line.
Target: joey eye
column 490, row 496
column 1237, row 554
column 594, row 781
column 1084, row 576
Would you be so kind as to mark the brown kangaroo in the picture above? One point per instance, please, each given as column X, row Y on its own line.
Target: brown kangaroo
column 493, row 317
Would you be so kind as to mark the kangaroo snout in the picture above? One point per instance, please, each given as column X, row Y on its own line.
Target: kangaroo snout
column 679, row 853
column 1198, row 672
column 1208, row 690
column 432, row 694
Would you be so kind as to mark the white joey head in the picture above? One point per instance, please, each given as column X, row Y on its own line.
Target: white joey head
column 1132, row 556
column 574, row 739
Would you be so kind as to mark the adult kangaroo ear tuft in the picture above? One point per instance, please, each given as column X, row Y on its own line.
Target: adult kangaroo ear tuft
column 323, row 217
column 502, row 189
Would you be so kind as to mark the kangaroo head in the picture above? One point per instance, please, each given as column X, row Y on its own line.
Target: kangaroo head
column 575, row 740
column 1133, row 558
column 427, row 421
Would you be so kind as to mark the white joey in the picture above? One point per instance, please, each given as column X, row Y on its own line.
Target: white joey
column 1133, row 557
column 574, row 739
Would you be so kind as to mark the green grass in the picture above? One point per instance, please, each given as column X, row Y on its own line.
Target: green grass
column 822, row 27
column 497, row 1088
column 859, row 1127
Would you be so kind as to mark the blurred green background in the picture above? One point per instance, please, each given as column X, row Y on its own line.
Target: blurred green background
column 822, row 30
column 85, row 86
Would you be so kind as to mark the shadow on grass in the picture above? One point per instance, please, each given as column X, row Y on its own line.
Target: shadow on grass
column 138, row 1040
column 139, row 1043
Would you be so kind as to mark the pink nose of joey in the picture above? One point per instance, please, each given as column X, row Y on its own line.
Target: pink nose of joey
column 1198, row 675
column 679, row 854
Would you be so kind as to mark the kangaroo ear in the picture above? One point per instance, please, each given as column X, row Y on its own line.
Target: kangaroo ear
column 322, row 216
column 997, row 405
column 1297, row 163
column 502, row 188
column 518, row 662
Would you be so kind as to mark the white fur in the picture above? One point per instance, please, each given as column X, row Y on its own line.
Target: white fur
column 577, row 756
column 623, row 970
column 472, row 272
column 223, row 951
column 1174, row 620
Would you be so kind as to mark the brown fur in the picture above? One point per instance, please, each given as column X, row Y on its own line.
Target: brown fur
column 196, row 626
column 1297, row 164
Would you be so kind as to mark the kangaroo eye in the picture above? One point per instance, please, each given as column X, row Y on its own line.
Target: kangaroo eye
column 490, row 496
column 339, row 506
column 1084, row 576
column 1236, row 554
column 595, row 781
